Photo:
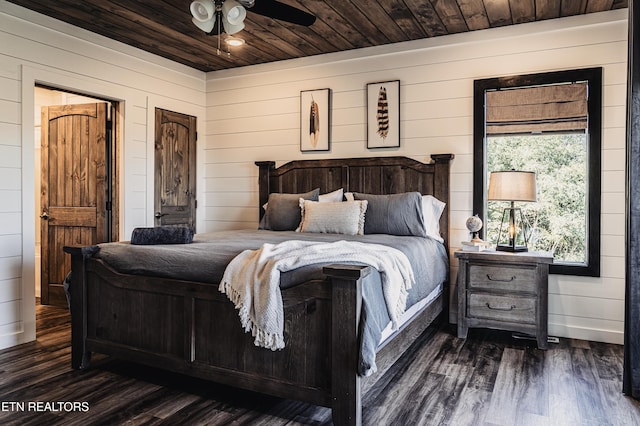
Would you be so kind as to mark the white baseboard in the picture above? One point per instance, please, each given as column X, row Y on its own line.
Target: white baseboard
column 14, row 334
column 582, row 333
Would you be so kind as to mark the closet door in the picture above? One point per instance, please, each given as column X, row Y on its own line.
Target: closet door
column 175, row 169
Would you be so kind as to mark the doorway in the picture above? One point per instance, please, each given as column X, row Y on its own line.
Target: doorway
column 76, row 197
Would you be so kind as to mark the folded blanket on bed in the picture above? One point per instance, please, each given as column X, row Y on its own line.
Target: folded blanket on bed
column 174, row 234
column 252, row 280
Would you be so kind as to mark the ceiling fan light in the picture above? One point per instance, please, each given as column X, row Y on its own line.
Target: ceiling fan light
column 206, row 26
column 230, row 28
column 233, row 12
column 234, row 41
column 202, row 10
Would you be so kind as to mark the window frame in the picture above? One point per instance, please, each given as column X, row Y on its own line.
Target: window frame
column 593, row 76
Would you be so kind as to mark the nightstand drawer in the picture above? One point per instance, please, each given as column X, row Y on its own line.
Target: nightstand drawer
column 502, row 308
column 502, row 278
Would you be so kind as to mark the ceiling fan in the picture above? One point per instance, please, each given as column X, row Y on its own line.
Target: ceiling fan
column 227, row 16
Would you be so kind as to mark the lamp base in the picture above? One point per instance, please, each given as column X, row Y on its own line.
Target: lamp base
column 512, row 249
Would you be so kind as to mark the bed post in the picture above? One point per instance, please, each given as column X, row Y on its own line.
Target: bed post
column 80, row 357
column 346, row 303
column 441, row 189
column 263, row 183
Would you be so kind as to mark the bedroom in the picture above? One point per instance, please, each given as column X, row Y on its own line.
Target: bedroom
column 235, row 113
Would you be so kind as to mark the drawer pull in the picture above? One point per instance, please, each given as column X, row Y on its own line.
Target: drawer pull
column 490, row 278
column 500, row 309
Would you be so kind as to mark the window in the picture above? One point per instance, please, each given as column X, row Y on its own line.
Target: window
column 548, row 123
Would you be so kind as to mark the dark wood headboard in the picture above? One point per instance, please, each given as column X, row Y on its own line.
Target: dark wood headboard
column 372, row 175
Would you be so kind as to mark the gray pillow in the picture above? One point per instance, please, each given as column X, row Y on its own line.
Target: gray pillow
column 394, row 214
column 283, row 210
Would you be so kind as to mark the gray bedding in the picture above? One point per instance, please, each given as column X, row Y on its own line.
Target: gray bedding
column 206, row 258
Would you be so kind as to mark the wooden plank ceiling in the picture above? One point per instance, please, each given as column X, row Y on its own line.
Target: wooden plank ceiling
column 164, row 27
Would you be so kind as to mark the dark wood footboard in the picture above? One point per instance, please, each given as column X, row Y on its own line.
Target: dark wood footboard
column 191, row 328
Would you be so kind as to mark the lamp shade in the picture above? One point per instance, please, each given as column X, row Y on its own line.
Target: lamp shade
column 512, row 185
column 233, row 12
column 202, row 10
column 206, row 26
column 231, row 28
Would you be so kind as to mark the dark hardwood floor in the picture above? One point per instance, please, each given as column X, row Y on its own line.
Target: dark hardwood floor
column 488, row 379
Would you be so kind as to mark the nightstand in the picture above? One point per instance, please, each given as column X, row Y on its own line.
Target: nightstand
column 504, row 291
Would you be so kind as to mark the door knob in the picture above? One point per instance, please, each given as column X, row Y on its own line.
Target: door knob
column 45, row 215
column 159, row 215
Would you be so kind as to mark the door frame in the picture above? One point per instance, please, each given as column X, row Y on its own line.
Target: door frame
column 25, row 329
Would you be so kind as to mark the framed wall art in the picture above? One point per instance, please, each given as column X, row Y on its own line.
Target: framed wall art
column 383, row 114
column 315, row 120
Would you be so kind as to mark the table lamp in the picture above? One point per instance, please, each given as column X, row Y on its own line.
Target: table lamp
column 512, row 186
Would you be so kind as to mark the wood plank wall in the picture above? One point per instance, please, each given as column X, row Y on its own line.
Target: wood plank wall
column 253, row 114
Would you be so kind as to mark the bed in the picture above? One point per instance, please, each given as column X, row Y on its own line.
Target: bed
column 184, row 324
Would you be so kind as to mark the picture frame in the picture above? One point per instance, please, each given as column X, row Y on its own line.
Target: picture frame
column 383, row 114
column 315, row 120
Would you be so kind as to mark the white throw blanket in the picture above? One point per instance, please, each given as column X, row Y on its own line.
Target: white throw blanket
column 252, row 280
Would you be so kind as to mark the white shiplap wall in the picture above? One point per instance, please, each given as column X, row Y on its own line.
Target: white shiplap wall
column 36, row 49
column 253, row 114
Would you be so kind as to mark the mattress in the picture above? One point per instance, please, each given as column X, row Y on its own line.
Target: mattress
column 206, row 258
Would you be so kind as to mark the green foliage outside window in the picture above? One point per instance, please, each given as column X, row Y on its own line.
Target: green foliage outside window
column 558, row 219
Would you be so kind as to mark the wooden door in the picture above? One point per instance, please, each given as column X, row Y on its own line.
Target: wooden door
column 175, row 169
column 74, row 191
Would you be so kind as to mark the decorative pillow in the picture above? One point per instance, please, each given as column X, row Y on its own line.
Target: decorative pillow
column 167, row 234
column 332, row 197
column 432, row 209
column 283, row 210
column 329, row 197
column 394, row 214
column 349, row 196
column 333, row 218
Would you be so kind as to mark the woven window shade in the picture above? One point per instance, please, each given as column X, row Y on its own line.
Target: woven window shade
column 552, row 108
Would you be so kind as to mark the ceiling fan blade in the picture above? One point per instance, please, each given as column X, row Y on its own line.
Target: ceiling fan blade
column 283, row 12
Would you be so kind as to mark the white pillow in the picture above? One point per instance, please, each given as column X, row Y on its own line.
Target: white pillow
column 349, row 196
column 332, row 197
column 333, row 217
column 432, row 209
